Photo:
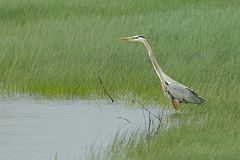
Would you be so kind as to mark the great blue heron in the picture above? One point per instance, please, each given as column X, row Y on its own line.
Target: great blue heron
column 177, row 92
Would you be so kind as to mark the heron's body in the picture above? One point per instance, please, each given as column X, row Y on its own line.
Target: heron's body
column 177, row 92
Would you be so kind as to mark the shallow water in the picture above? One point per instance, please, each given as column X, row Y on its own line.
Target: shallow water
column 39, row 128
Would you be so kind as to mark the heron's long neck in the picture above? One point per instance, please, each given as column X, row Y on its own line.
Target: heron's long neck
column 156, row 66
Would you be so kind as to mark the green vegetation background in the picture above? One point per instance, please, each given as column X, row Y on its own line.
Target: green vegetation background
column 58, row 47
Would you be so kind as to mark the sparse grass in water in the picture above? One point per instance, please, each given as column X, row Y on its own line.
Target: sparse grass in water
column 59, row 47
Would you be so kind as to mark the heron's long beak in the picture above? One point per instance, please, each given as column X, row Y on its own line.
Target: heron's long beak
column 127, row 38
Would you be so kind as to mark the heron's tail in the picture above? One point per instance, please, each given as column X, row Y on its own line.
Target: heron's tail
column 199, row 100
column 195, row 98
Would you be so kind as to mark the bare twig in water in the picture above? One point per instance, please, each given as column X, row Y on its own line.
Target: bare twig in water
column 145, row 125
column 100, row 81
column 150, row 121
column 160, row 120
column 124, row 119
column 156, row 116
column 149, row 124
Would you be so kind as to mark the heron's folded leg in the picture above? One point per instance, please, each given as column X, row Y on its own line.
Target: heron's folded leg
column 175, row 105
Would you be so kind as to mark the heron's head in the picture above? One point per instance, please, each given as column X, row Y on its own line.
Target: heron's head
column 139, row 38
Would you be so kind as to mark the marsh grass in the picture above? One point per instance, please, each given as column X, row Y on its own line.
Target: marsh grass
column 57, row 48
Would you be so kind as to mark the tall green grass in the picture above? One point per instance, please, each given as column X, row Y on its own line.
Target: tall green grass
column 58, row 47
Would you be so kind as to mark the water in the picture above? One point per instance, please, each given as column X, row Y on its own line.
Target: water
column 37, row 129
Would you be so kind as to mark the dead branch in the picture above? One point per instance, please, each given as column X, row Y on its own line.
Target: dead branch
column 150, row 121
column 124, row 119
column 100, row 81
column 149, row 124
column 156, row 116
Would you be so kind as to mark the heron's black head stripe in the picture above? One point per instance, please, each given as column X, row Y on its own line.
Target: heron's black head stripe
column 142, row 37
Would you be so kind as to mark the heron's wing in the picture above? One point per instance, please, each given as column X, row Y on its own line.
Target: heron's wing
column 183, row 93
column 178, row 91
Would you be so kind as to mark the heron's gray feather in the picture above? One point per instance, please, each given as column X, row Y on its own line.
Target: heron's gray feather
column 183, row 94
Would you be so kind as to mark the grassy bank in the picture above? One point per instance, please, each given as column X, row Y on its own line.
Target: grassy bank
column 57, row 48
